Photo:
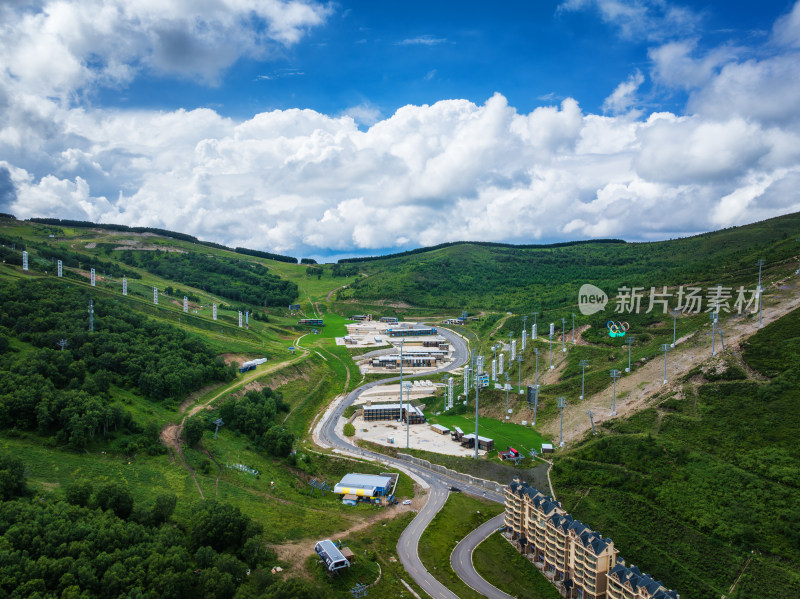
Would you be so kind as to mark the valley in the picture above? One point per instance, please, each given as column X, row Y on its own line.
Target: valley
column 130, row 407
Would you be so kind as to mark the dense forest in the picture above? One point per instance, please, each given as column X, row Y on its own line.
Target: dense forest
column 94, row 541
column 485, row 276
column 56, row 375
column 708, row 478
column 229, row 278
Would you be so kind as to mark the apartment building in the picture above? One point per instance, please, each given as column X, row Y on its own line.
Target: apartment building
column 580, row 562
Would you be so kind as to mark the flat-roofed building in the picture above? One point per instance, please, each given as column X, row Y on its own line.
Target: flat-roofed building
column 484, row 443
column 579, row 561
column 364, row 485
column 393, row 411
column 440, row 428
column 411, row 331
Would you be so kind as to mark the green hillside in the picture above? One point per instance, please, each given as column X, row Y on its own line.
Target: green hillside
column 87, row 418
column 520, row 279
column 705, row 486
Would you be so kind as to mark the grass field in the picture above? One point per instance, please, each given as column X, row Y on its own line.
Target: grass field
column 504, row 433
column 460, row 515
column 502, row 565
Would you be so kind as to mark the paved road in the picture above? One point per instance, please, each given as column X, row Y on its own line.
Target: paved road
column 439, row 483
column 461, row 559
column 408, row 545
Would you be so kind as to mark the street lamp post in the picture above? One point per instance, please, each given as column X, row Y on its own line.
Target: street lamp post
column 665, row 347
column 675, row 312
column 507, row 388
column 629, row 340
column 476, row 420
column 583, row 364
column 615, row 374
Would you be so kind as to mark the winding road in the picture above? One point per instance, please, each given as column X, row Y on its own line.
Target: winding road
column 439, row 485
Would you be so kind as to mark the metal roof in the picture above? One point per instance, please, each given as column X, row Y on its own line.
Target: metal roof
column 365, row 481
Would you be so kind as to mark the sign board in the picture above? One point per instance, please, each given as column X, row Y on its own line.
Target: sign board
column 60, row 268
column 552, row 328
column 124, row 286
column 155, row 295
column 482, row 380
column 185, row 304
column 214, row 311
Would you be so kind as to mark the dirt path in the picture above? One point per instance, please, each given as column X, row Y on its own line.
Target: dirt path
column 642, row 387
column 296, row 552
column 171, row 433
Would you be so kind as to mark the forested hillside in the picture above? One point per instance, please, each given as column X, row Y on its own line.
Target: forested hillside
column 56, row 376
column 708, row 482
column 236, row 280
column 482, row 276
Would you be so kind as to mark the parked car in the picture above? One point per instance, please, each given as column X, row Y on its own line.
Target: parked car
column 455, row 489
column 406, row 502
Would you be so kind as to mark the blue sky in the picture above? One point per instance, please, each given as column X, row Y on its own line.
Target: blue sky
column 386, row 55
column 332, row 129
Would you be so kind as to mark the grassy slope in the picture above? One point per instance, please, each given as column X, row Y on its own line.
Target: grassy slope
column 289, row 508
column 694, row 488
column 460, row 515
column 503, row 566
column 480, row 277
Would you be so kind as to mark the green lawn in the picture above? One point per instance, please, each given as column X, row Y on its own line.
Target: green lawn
column 502, row 565
column 460, row 515
column 504, row 433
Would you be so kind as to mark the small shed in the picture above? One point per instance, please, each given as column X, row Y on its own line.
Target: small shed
column 331, row 556
column 456, row 433
column 348, row 553
column 547, row 448
column 439, row 428
column 350, row 499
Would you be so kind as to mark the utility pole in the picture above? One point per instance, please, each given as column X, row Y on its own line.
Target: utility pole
column 665, row 347
column 583, row 364
column 760, row 264
column 91, row 316
column 62, row 343
column 615, row 374
column 573, row 328
column 551, row 346
column 675, row 312
column 519, row 373
column 629, row 340
column 408, row 412
column 591, row 419
column 536, row 353
column 402, row 341
column 713, row 334
column 563, row 334
column 535, row 323
column 562, row 403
